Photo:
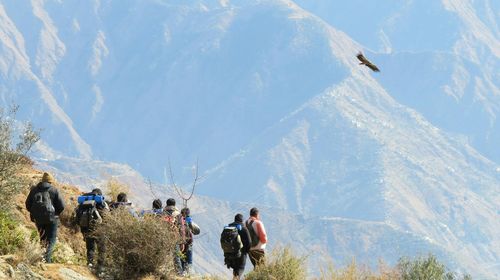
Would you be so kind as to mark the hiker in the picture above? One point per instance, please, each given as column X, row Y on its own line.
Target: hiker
column 173, row 216
column 235, row 242
column 186, row 231
column 170, row 210
column 90, row 212
column 157, row 209
column 45, row 204
column 258, row 237
column 122, row 202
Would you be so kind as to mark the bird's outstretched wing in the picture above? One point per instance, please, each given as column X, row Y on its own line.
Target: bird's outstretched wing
column 367, row 63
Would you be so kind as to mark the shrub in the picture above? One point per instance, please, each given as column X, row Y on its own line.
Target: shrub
column 355, row 272
column 138, row 247
column 425, row 268
column 11, row 238
column 282, row 265
column 13, row 153
column 428, row 268
column 16, row 239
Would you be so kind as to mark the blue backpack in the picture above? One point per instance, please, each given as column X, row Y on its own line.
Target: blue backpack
column 99, row 199
column 87, row 214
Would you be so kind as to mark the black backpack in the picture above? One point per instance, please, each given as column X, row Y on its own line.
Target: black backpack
column 230, row 242
column 87, row 215
column 42, row 209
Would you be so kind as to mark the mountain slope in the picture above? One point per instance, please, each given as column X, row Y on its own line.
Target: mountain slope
column 271, row 98
column 341, row 156
column 439, row 57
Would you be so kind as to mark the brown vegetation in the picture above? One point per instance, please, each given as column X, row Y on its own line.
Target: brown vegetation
column 114, row 187
column 137, row 247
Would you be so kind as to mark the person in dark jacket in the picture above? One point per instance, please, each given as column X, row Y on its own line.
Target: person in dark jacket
column 122, row 202
column 93, row 240
column 238, row 264
column 173, row 216
column 45, row 204
column 157, row 209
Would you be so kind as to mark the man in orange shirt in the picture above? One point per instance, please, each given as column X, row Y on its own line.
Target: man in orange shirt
column 258, row 237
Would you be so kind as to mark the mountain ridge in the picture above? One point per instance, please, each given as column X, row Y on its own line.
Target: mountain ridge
column 269, row 95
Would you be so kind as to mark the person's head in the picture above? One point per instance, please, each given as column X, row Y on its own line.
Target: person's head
column 47, row 178
column 157, row 204
column 170, row 202
column 122, row 197
column 254, row 212
column 96, row 191
column 238, row 218
column 185, row 212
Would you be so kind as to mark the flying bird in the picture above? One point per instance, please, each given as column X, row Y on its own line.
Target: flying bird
column 367, row 63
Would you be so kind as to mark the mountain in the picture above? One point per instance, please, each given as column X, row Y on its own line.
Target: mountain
column 440, row 58
column 271, row 99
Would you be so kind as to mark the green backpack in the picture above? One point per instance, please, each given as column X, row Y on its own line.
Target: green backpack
column 230, row 242
column 253, row 235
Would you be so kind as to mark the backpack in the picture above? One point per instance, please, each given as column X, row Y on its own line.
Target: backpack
column 169, row 217
column 230, row 241
column 184, row 230
column 87, row 215
column 42, row 209
column 253, row 235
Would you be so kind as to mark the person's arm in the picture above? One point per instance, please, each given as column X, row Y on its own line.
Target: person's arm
column 29, row 200
column 261, row 232
column 245, row 239
column 58, row 202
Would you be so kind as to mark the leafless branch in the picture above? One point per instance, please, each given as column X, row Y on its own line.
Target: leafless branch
column 184, row 196
column 176, row 188
column 195, row 180
column 151, row 189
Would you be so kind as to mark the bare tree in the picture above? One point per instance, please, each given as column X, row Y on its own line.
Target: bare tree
column 185, row 196
column 13, row 152
column 151, row 189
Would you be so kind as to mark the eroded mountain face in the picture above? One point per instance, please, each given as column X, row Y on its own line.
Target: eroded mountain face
column 271, row 99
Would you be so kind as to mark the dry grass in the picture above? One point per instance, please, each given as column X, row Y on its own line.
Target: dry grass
column 138, row 247
column 282, row 264
column 353, row 271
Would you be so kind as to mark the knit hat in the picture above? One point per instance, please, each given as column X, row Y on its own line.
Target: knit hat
column 238, row 218
column 47, row 178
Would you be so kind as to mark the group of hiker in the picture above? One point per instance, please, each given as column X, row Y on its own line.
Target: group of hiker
column 239, row 239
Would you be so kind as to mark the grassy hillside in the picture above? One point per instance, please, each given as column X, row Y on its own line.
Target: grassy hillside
column 23, row 256
column 20, row 252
